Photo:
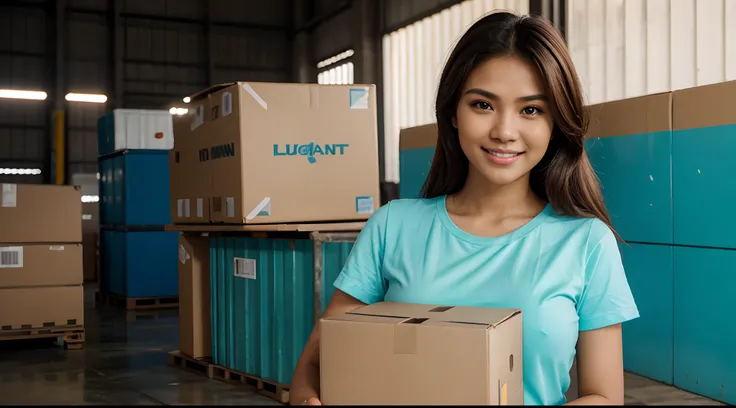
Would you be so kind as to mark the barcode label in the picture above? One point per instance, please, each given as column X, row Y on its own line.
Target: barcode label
column 245, row 268
column 9, row 195
column 227, row 103
column 230, row 207
column 198, row 117
column 11, row 257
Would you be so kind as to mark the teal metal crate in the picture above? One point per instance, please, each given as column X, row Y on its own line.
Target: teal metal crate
column 636, row 177
column 414, row 165
column 266, row 293
column 648, row 340
column 704, row 353
column 703, row 212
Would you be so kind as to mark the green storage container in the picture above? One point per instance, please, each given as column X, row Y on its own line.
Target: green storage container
column 265, row 295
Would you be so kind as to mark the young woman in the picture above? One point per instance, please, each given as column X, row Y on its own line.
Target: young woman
column 512, row 216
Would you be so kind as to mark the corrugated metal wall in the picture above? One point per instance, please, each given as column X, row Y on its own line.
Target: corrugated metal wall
column 628, row 48
column 413, row 58
column 337, row 34
column 89, row 62
column 145, row 54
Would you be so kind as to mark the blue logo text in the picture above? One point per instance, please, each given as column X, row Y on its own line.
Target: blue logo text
column 310, row 150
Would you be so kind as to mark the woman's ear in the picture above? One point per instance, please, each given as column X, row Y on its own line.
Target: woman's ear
column 453, row 120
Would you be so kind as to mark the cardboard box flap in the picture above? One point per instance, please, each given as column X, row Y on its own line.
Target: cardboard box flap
column 418, row 137
column 704, row 106
column 417, row 313
column 361, row 318
column 644, row 114
column 212, row 89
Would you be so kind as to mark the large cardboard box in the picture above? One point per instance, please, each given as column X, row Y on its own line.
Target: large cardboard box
column 396, row 353
column 195, row 332
column 36, row 213
column 629, row 145
column 416, row 151
column 90, row 239
column 40, row 265
column 278, row 153
column 703, row 146
column 22, row 308
column 190, row 180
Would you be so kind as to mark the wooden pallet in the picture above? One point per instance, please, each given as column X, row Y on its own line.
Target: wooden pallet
column 271, row 389
column 130, row 303
column 70, row 337
column 141, row 315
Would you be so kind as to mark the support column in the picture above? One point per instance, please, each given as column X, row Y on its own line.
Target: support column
column 60, row 89
column 118, row 52
column 209, row 42
column 303, row 70
column 367, row 59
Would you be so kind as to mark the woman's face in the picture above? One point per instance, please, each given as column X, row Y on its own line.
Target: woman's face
column 503, row 120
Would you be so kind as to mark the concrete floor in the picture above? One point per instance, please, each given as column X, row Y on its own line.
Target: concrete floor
column 125, row 362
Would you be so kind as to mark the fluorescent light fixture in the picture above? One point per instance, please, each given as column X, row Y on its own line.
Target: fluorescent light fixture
column 91, row 98
column 178, row 111
column 21, row 94
column 90, row 198
column 187, row 99
column 20, row 172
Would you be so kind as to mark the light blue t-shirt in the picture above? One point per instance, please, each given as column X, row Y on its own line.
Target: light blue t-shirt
column 564, row 273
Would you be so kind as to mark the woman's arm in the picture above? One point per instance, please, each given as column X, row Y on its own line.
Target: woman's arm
column 600, row 367
column 305, row 381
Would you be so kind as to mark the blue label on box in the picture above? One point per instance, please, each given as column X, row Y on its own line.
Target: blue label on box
column 364, row 205
column 359, row 98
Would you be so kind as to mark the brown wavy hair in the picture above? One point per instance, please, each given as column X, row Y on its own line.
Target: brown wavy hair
column 564, row 176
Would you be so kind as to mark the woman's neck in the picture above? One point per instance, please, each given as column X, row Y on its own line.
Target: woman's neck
column 480, row 198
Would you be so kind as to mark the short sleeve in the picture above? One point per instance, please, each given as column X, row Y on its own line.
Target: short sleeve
column 607, row 297
column 362, row 275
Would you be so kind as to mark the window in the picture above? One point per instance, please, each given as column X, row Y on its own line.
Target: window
column 629, row 48
column 336, row 70
column 413, row 58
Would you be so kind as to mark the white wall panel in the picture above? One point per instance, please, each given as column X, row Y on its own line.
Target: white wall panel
column 629, row 48
column 413, row 58
column 342, row 74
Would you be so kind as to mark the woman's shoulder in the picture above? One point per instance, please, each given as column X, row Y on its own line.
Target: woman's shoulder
column 589, row 231
column 407, row 206
column 405, row 211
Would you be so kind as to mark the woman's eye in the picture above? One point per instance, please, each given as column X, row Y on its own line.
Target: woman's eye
column 482, row 105
column 531, row 110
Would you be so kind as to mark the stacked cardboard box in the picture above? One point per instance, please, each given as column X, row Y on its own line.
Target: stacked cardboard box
column 137, row 258
column 195, row 338
column 269, row 153
column 90, row 240
column 664, row 162
column 40, row 256
column 266, row 153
